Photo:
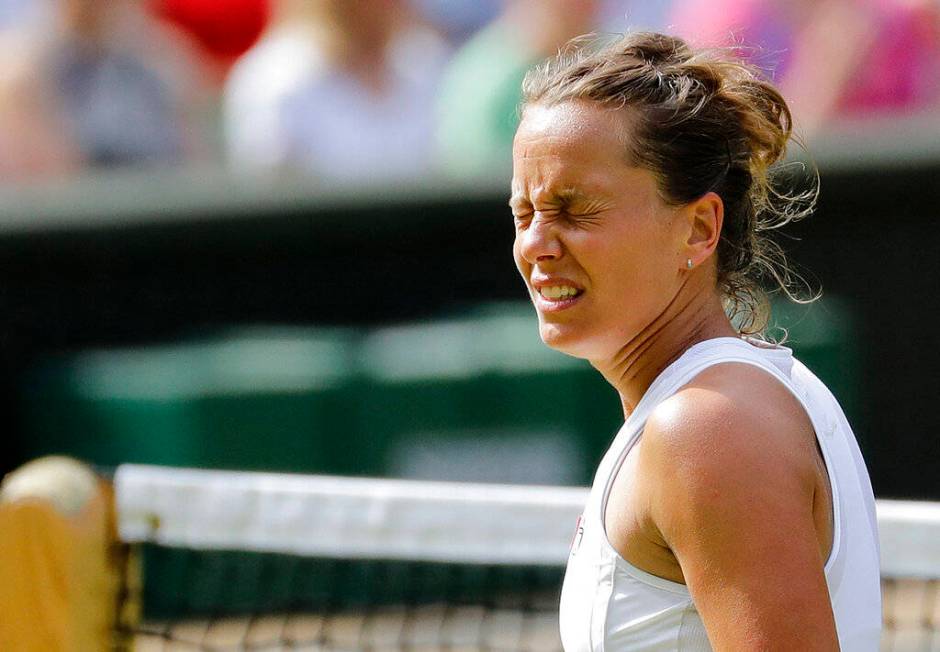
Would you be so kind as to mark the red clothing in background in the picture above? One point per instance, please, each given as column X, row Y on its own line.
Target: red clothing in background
column 224, row 29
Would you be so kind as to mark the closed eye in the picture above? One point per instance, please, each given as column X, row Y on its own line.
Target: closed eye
column 583, row 219
column 523, row 219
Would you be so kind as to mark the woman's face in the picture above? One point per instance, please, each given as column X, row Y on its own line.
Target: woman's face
column 601, row 253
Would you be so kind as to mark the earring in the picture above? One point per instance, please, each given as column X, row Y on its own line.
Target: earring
column 688, row 263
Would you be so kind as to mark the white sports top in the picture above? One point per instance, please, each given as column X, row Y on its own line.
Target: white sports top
column 609, row 605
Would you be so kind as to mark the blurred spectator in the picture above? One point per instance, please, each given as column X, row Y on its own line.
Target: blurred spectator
column 16, row 13
column 98, row 88
column 618, row 16
column 458, row 20
column 34, row 141
column 289, row 53
column 831, row 58
column 222, row 29
column 342, row 89
column 477, row 108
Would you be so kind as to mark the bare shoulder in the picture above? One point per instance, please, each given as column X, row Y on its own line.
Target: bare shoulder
column 733, row 486
column 735, row 434
column 732, row 409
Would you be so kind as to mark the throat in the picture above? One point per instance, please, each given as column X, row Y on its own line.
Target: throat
column 636, row 364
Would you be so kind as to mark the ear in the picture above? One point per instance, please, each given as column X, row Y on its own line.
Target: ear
column 704, row 218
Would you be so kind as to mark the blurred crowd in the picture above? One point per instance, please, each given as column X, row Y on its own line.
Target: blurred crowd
column 391, row 90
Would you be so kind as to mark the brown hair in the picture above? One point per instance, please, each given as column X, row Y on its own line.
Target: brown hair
column 704, row 121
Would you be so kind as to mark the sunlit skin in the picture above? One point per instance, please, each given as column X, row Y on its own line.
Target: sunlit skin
column 725, row 491
column 584, row 215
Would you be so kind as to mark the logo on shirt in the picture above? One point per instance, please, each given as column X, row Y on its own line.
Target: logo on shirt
column 578, row 535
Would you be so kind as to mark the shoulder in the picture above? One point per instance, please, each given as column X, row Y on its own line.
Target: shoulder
column 729, row 468
column 733, row 435
column 734, row 407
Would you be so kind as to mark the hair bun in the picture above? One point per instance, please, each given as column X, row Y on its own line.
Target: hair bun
column 706, row 121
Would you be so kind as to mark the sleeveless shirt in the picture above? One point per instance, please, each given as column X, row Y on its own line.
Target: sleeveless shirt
column 609, row 605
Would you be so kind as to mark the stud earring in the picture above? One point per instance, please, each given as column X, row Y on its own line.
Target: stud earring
column 688, row 263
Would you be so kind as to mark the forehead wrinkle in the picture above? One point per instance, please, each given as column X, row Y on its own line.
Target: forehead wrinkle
column 551, row 188
column 534, row 179
column 516, row 200
column 569, row 193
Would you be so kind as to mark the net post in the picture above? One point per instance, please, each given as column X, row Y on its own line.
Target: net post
column 62, row 571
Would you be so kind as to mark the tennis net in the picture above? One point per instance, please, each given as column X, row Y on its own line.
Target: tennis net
column 259, row 561
column 255, row 561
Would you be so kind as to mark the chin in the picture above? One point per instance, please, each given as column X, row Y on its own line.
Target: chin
column 564, row 339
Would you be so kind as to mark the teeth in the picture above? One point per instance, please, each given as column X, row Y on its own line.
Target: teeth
column 558, row 292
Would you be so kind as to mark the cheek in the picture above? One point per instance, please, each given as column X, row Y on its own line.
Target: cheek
column 521, row 264
column 637, row 270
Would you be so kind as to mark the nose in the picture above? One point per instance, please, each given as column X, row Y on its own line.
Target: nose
column 539, row 241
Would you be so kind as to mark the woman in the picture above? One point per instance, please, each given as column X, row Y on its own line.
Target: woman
column 733, row 510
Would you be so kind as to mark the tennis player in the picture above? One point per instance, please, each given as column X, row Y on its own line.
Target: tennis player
column 733, row 510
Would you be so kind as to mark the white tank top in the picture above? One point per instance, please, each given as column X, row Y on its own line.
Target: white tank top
column 609, row 605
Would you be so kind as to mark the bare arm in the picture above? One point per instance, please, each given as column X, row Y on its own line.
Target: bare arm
column 735, row 472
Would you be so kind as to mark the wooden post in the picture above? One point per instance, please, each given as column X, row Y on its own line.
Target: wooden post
column 60, row 564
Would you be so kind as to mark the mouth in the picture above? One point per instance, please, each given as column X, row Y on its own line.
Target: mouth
column 552, row 298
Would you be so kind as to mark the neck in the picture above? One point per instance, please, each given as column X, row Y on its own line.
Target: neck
column 693, row 316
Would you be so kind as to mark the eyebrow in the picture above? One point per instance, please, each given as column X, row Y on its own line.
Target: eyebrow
column 563, row 196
